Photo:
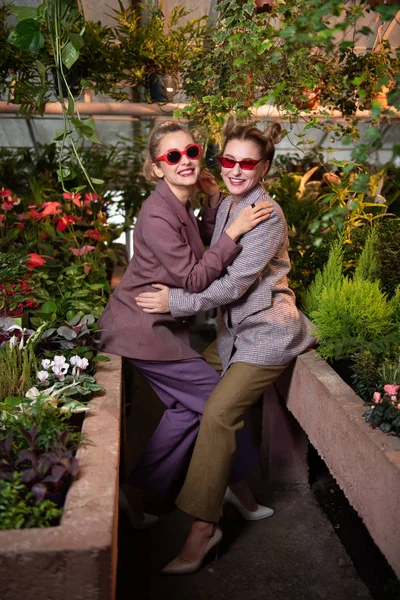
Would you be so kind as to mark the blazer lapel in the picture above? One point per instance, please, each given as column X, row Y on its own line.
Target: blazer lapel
column 221, row 220
column 185, row 215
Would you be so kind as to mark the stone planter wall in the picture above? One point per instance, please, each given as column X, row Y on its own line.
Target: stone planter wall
column 76, row 560
column 365, row 462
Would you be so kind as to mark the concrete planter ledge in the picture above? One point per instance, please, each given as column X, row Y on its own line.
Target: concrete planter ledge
column 364, row 461
column 76, row 560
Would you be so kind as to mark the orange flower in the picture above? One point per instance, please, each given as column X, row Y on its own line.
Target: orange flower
column 51, row 208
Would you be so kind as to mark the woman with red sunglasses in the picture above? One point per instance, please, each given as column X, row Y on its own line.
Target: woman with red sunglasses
column 168, row 247
column 260, row 331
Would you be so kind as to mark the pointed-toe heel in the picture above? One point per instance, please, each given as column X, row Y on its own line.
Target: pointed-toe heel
column 178, row 567
column 262, row 512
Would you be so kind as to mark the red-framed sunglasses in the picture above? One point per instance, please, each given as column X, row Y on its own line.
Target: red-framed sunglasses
column 172, row 157
column 229, row 163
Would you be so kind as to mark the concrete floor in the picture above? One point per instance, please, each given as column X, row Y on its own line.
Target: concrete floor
column 294, row 555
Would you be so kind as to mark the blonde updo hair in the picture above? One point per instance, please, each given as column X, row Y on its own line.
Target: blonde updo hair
column 153, row 144
column 265, row 140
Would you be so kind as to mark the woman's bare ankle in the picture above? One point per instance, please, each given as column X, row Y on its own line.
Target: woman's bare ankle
column 202, row 526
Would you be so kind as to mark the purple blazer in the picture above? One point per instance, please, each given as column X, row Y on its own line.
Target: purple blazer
column 168, row 248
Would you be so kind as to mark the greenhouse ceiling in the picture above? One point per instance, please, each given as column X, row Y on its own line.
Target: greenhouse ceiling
column 114, row 121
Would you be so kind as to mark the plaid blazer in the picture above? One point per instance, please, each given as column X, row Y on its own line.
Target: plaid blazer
column 259, row 322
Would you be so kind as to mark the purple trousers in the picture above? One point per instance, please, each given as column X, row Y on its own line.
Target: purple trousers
column 184, row 387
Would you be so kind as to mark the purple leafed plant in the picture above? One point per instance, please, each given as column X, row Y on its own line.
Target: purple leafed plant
column 44, row 473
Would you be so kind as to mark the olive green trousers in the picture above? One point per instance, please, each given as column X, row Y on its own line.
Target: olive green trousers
column 203, row 492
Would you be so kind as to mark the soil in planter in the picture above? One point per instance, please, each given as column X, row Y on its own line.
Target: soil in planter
column 368, row 560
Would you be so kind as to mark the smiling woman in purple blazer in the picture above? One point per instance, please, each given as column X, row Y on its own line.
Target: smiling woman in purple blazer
column 260, row 331
column 168, row 248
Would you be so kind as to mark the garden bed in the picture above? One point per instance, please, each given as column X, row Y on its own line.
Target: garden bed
column 77, row 559
column 364, row 461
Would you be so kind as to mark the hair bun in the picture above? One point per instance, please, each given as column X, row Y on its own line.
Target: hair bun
column 274, row 131
column 229, row 126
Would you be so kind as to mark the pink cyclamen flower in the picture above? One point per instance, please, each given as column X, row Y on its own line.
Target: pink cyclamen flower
column 391, row 389
column 59, row 366
column 5, row 193
column 377, row 397
column 42, row 376
column 82, row 251
column 46, row 363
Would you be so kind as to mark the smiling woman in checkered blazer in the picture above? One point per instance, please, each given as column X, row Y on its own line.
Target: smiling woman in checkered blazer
column 260, row 331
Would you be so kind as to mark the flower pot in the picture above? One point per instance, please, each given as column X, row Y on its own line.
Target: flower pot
column 263, row 6
column 308, row 99
column 162, row 88
column 381, row 97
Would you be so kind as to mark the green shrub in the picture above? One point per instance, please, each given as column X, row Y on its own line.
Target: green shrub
column 350, row 315
column 18, row 510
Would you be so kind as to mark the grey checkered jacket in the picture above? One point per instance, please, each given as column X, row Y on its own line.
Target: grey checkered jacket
column 258, row 322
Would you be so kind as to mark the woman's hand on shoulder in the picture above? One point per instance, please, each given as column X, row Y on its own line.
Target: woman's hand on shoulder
column 208, row 185
column 250, row 217
column 154, row 302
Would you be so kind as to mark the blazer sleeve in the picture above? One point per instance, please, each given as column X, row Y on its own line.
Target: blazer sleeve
column 259, row 247
column 175, row 254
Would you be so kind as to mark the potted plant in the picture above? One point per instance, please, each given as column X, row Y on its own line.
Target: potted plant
column 156, row 49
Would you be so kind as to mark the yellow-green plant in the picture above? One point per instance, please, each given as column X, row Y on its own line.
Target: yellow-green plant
column 350, row 314
column 17, row 367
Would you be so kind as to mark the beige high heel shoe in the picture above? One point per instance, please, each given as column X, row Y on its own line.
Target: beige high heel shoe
column 178, row 567
column 262, row 512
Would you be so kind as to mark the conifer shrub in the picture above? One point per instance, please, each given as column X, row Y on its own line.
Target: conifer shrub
column 351, row 315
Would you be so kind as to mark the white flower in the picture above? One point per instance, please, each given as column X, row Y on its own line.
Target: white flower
column 84, row 364
column 81, row 363
column 74, row 360
column 60, row 370
column 59, row 361
column 59, row 366
column 42, row 376
column 13, row 327
column 46, row 363
column 32, row 393
column 13, row 341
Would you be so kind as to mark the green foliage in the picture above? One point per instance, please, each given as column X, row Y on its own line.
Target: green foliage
column 17, row 366
column 368, row 266
column 154, row 44
column 18, row 509
column 388, row 253
column 366, row 378
column 349, row 314
column 329, row 280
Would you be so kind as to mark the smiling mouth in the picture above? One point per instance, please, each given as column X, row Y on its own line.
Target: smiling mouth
column 236, row 181
column 186, row 172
